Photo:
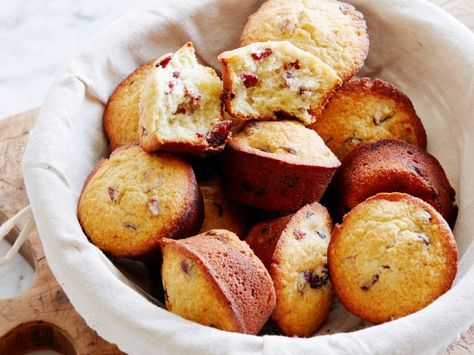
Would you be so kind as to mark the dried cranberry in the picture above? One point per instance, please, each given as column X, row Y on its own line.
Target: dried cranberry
column 250, row 80
column 218, row 134
column 113, row 193
column 176, row 74
column 368, row 284
column 171, row 85
column 165, row 61
column 186, row 266
column 305, row 91
column 293, row 65
column 262, row 55
column 130, row 226
column 199, row 135
column 315, row 280
column 299, row 234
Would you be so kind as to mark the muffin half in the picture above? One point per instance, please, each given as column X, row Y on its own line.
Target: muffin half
column 274, row 80
column 181, row 108
column 294, row 250
column 215, row 279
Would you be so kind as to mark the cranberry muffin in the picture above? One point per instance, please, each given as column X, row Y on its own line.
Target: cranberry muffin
column 215, row 279
column 393, row 255
column 121, row 114
column 132, row 200
column 368, row 110
column 277, row 165
column 392, row 166
column 181, row 107
column 333, row 31
column 294, row 250
column 271, row 80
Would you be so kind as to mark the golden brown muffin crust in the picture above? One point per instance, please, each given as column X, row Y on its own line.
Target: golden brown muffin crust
column 367, row 110
column 294, row 250
column 133, row 199
column 121, row 114
column 331, row 30
column 392, row 166
column 392, row 255
column 277, row 171
column 237, row 272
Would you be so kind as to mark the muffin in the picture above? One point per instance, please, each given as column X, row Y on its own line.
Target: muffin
column 393, row 255
column 277, row 166
column 215, row 279
column 219, row 212
column 367, row 110
column 333, row 31
column 274, row 80
column 181, row 107
column 392, row 166
column 121, row 114
column 294, row 250
column 132, row 200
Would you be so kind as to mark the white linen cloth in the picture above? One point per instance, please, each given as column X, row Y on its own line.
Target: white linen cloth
column 413, row 44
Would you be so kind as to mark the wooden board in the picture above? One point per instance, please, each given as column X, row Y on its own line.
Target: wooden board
column 42, row 317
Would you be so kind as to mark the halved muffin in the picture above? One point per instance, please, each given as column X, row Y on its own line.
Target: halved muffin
column 392, row 255
column 181, row 107
column 122, row 114
column 392, row 166
column 215, row 279
column 277, row 165
column 271, row 80
column 368, row 110
column 294, row 250
column 132, row 200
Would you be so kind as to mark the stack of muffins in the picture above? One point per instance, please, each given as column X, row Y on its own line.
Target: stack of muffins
column 232, row 185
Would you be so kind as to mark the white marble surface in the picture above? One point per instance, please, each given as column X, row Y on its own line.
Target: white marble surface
column 38, row 36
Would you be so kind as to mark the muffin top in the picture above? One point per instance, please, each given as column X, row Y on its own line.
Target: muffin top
column 284, row 140
column 331, row 30
column 392, row 255
column 368, row 110
column 133, row 199
column 122, row 115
